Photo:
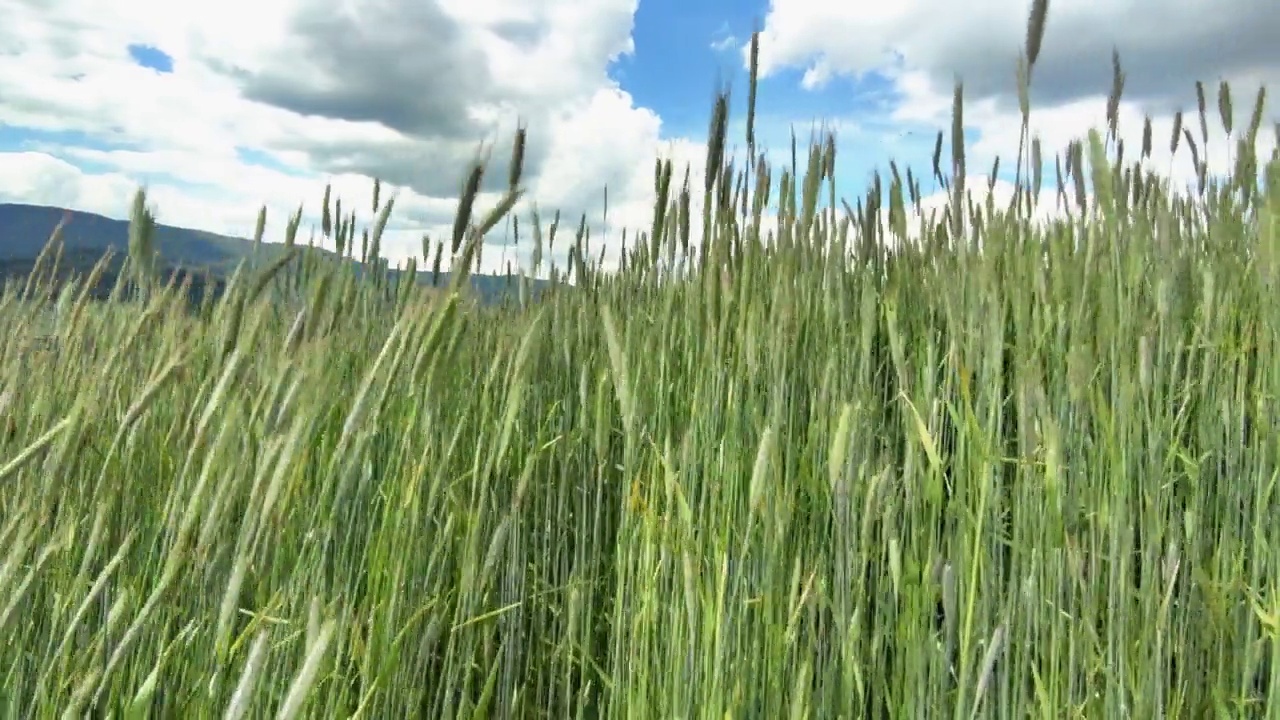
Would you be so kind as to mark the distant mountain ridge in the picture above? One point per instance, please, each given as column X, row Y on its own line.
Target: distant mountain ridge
column 25, row 229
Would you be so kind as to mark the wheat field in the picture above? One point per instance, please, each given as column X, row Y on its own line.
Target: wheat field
column 854, row 463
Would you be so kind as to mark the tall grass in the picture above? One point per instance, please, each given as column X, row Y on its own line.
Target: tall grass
column 1001, row 469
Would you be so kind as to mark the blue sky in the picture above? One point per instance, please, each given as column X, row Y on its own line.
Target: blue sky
column 219, row 117
column 682, row 51
column 678, row 64
column 152, row 58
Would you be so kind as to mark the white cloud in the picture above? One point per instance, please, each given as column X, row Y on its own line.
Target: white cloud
column 998, row 129
column 31, row 176
column 923, row 45
column 725, row 43
column 335, row 91
column 67, row 70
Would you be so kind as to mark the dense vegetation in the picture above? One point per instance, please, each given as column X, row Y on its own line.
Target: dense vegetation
column 860, row 463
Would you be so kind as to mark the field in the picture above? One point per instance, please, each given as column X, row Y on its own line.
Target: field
column 833, row 467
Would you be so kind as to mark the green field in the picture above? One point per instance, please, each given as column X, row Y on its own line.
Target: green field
column 825, row 467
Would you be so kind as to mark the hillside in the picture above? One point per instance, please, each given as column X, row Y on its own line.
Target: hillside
column 24, row 230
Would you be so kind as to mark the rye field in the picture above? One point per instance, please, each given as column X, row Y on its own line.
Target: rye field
column 837, row 460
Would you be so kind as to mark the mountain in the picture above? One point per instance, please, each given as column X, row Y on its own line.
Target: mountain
column 207, row 257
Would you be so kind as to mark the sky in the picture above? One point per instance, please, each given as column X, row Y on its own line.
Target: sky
column 222, row 108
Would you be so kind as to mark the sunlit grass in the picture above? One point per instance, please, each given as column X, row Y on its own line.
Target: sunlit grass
column 812, row 477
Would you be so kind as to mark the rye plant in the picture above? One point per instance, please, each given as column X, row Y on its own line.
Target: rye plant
column 855, row 463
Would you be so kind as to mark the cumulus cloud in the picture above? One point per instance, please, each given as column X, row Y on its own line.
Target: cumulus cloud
column 924, row 45
column 270, row 99
column 1161, row 46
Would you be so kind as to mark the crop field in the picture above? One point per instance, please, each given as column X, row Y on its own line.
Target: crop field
column 853, row 463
